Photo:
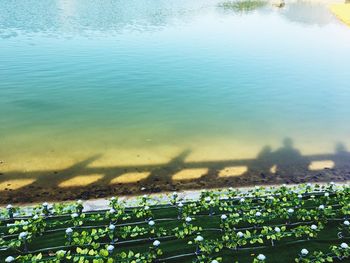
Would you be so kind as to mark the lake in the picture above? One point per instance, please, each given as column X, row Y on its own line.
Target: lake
column 138, row 82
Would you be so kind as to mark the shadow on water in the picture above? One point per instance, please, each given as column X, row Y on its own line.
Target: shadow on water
column 283, row 165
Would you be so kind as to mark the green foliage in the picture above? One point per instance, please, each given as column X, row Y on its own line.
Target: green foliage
column 228, row 221
column 243, row 5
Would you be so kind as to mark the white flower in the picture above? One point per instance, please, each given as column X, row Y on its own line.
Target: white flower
column 174, row 194
column 258, row 214
column 35, row 217
column 146, row 207
column 300, row 196
column 312, row 196
column 223, row 217
column 277, row 229
column 111, row 227
column 304, row 252
column 9, row 206
column 110, row 248
column 242, row 200
column 214, row 261
column 188, row 219
column 145, row 196
column 261, row 257
column 79, row 202
column 74, row 215
column 199, row 239
column 284, row 185
column 308, row 184
column 22, row 235
column 346, row 222
column 240, row 234
column 332, row 183
column 151, row 223
column 111, row 211
column 45, row 204
column 344, row 245
column 180, row 204
column 9, row 259
column 313, row 227
column 156, row 243
column 321, row 207
column 290, row 210
column 112, row 198
column 207, row 199
column 69, row 231
column 326, row 194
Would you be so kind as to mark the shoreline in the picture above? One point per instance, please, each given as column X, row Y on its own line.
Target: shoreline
column 187, row 195
column 94, row 194
column 86, row 181
column 93, row 204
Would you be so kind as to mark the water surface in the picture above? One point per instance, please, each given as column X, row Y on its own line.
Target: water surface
column 139, row 81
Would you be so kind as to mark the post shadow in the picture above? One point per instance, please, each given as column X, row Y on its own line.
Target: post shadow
column 263, row 162
column 54, row 178
column 341, row 157
column 289, row 162
column 165, row 172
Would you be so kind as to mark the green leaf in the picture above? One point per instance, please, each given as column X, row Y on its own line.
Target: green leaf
column 104, row 252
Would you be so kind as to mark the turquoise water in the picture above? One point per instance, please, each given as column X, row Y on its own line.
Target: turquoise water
column 153, row 77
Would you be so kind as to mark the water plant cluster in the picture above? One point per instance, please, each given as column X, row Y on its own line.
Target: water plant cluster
column 243, row 5
column 257, row 225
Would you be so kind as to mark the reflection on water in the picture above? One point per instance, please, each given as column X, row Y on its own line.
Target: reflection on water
column 243, row 6
column 54, row 18
column 139, row 81
column 299, row 11
column 308, row 12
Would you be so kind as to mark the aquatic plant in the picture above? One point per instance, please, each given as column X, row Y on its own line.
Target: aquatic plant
column 243, row 5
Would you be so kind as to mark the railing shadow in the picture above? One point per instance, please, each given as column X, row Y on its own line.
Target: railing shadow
column 284, row 165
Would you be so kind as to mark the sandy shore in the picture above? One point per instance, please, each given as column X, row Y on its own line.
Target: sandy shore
column 342, row 12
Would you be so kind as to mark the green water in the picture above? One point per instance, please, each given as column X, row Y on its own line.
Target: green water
column 141, row 80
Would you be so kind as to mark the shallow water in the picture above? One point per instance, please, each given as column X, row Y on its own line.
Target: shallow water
column 139, row 81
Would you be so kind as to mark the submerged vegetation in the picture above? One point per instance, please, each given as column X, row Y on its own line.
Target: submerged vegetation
column 243, row 5
column 304, row 224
